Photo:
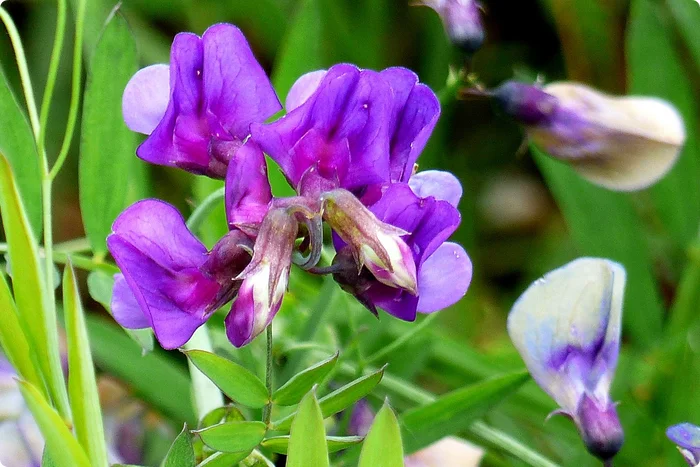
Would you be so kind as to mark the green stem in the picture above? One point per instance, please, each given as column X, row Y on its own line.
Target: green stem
column 267, row 410
column 51, row 77
column 76, row 245
column 23, row 70
column 83, row 262
column 404, row 339
column 75, row 88
column 205, row 393
column 201, row 212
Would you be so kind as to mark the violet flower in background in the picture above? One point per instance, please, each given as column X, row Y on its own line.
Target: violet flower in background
column 620, row 143
column 462, row 21
column 198, row 110
column 686, row 436
column 566, row 327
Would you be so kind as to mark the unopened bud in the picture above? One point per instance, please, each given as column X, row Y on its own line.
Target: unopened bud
column 599, row 427
column 462, row 21
column 620, row 143
column 375, row 245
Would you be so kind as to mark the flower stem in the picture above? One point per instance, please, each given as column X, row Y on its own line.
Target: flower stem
column 83, row 262
column 199, row 215
column 405, row 338
column 267, row 410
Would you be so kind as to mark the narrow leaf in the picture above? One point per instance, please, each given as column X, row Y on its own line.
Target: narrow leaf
column 307, row 439
column 382, row 445
column 181, row 452
column 455, row 411
column 236, row 382
column 18, row 146
column 107, row 146
column 100, row 286
column 60, row 443
column 37, row 319
column 294, row 389
column 82, row 386
column 341, row 398
column 14, row 342
column 280, row 444
column 233, row 436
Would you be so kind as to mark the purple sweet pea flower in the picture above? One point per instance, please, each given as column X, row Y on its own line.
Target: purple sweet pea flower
column 687, row 437
column 199, row 110
column 566, row 327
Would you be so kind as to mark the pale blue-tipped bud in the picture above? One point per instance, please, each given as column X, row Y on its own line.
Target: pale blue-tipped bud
column 566, row 327
column 621, row 143
column 686, row 437
column 462, row 21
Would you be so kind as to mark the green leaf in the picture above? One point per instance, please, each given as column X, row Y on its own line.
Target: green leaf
column 656, row 67
column 280, row 444
column 605, row 224
column 154, row 377
column 37, row 319
column 382, row 445
column 14, row 342
column 223, row 459
column 107, row 146
column 82, row 386
column 18, row 146
column 455, row 411
column 233, row 436
column 307, row 439
column 62, row 446
column 181, row 452
column 100, row 286
column 227, row 413
column 341, row 398
column 236, row 382
column 294, row 389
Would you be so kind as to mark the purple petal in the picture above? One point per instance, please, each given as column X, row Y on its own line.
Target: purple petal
column 237, row 90
column 303, row 88
column 345, row 122
column 396, row 302
column 239, row 322
column 687, row 437
column 125, row 308
column 416, row 112
column 146, row 97
column 443, row 278
column 438, row 184
column 247, row 187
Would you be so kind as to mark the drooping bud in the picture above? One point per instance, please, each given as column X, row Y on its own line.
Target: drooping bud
column 264, row 279
column 566, row 327
column 620, row 143
column 462, row 21
column 227, row 260
column 375, row 245
column 686, row 436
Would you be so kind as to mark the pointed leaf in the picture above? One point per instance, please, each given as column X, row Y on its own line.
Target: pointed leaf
column 100, row 286
column 107, row 146
column 37, row 319
column 233, row 436
column 382, row 445
column 227, row 413
column 236, row 382
column 307, row 439
column 18, row 146
column 62, row 446
column 294, row 389
column 341, row 398
column 13, row 341
column 280, row 444
column 82, row 386
column 181, row 452
column 456, row 410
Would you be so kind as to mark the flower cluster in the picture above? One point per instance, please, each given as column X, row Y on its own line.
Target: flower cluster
column 348, row 145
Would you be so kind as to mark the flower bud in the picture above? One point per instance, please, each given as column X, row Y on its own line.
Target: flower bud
column 264, row 279
column 686, row 436
column 374, row 244
column 227, row 260
column 462, row 21
column 599, row 427
column 620, row 143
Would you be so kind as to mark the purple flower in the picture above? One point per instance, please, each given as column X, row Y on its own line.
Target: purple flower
column 199, row 110
column 620, row 143
column 462, row 21
column 566, row 327
column 424, row 209
column 687, row 437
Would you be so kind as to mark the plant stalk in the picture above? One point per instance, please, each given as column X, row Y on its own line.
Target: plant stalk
column 267, row 410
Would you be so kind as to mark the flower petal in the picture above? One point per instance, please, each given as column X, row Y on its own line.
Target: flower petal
column 438, row 184
column 247, row 186
column 146, row 97
column 443, row 278
column 125, row 308
column 303, row 88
